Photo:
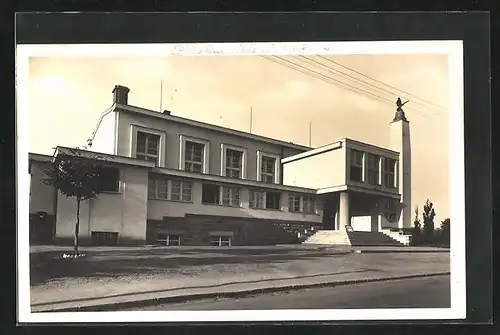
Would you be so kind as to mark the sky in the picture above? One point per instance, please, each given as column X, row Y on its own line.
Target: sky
column 67, row 95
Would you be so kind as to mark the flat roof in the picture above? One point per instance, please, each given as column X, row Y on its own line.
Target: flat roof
column 350, row 140
column 313, row 152
column 40, row 157
column 115, row 158
column 178, row 119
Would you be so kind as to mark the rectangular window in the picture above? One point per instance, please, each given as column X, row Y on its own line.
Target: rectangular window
column 265, row 200
column 234, row 159
column 389, row 172
column 147, row 146
column 301, row 203
column 294, row 203
column 166, row 239
column 158, row 188
column 109, row 179
column 194, row 157
column 151, row 188
column 373, row 169
column 180, row 190
column 268, row 169
column 308, row 204
column 231, row 196
column 273, row 200
column 257, row 199
column 221, row 241
column 210, row 194
column 356, row 168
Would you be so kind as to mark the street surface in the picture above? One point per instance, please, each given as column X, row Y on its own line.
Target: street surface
column 429, row 292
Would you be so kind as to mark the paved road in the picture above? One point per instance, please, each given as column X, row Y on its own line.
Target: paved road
column 430, row 292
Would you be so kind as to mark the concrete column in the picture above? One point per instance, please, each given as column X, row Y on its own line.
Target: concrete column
column 344, row 214
column 374, row 218
column 245, row 197
column 400, row 142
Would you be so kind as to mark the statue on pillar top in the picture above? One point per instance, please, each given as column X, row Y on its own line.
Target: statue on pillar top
column 400, row 114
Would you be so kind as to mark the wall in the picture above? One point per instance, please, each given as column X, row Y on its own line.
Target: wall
column 124, row 212
column 361, row 223
column 198, row 230
column 384, row 223
column 173, row 131
column 42, row 196
column 157, row 209
column 319, row 171
column 104, row 139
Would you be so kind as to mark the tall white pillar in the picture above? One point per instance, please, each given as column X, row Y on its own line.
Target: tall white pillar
column 344, row 214
column 400, row 141
column 374, row 214
column 336, row 222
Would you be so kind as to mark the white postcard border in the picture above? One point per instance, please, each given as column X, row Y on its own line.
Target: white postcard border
column 454, row 50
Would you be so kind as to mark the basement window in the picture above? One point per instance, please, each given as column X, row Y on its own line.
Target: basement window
column 166, row 239
column 221, row 241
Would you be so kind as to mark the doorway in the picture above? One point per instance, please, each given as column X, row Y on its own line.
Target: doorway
column 330, row 204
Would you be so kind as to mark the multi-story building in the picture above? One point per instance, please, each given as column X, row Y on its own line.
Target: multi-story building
column 175, row 181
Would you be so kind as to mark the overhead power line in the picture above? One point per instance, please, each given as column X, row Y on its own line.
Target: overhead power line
column 314, row 74
column 330, row 80
column 362, row 82
column 381, row 82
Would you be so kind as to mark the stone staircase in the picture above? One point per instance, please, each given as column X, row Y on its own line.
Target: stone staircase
column 336, row 237
column 353, row 238
column 400, row 235
column 367, row 238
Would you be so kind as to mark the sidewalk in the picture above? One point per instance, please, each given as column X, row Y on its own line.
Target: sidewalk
column 138, row 277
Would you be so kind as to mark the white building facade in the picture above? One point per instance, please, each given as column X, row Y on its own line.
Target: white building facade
column 179, row 181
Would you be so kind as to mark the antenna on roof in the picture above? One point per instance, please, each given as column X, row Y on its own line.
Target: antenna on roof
column 251, row 118
column 161, row 94
column 310, row 133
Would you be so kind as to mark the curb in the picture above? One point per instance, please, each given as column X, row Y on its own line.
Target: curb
column 237, row 294
column 388, row 251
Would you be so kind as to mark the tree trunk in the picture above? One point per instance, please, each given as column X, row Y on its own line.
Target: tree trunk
column 77, row 228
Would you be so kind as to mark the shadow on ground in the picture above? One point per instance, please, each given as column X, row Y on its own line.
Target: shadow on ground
column 49, row 265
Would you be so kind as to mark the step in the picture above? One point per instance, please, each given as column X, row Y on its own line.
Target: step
column 358, row 238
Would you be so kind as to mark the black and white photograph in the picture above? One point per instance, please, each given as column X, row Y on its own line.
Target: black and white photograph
column 241, row 181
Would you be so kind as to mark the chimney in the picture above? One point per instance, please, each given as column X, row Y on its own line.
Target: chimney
column 120, row 94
